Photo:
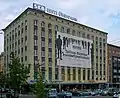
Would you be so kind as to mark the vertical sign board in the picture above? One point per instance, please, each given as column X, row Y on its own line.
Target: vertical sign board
column 73, row 51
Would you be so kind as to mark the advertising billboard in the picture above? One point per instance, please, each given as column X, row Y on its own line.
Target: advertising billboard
column 73, row 51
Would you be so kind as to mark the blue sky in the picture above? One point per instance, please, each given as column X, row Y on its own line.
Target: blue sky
column 100, row 14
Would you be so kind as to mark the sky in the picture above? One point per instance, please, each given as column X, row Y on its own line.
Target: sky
column 100, row 14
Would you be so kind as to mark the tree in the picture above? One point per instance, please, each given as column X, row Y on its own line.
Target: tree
column 40, row 90
column 2, row 79
column 40, row 87
column 18, row 72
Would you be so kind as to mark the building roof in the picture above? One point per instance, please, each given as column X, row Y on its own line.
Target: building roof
column 54, row 16
column 111, row 45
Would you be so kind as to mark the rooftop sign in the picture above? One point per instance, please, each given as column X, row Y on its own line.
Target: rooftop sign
column 53, row 12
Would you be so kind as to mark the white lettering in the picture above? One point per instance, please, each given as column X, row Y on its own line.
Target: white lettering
column 43, row 8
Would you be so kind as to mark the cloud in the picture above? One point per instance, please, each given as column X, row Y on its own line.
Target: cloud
column 101, row 14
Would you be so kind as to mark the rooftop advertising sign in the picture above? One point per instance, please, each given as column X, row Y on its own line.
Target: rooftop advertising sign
column 53, row 12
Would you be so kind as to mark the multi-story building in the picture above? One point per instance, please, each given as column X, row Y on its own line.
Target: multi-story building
column 31, row 36
column 2, row 62
column 113, row 63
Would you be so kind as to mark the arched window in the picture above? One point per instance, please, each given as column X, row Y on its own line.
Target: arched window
column 78, row 33
column 73, row 32
column 56, row 27
column 42, row 24
column 49, row 25
column 62, row 29
column 68, row 30
column 83, row 35
column 88, row 36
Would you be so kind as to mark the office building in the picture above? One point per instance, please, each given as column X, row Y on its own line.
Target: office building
column 31, row 36
column 113, row 64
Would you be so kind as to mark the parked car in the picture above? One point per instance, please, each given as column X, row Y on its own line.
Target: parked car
column 76, row 93
column 65, row 94
column 52, row 93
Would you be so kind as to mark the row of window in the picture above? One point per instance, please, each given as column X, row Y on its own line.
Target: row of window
column 69, row 75
column 67, row 30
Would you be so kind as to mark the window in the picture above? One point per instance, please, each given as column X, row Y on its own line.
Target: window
column 35, row 31
column 22, row 24
column 43, row 73
column 35, row 42
column 25, row 38
column 50, row 60
column 35, row 47
column 50, row 35
column 88, row 36
column 19, row 33
column 22, row 30
column 25, row 58
column 73, row 32
column 21, row 40
column 56, row 27
column 12, row 45
column 18, row 42
column 50, row 49
column 68, row 30
column 79, row 75
column 12, row 37
column 35, row 27
column 25, row 48
column 78, row 34
column 84, row 74
column 49, row 25
column 43, row 34
column 35, row 22
column 35, row 37
column 62, row 29
column 21, row 59
column 83, row 35
column 43, row 59
column 63, row 73
column 36, row 58
column 56, row 73
column 43, row 38
column 96, row 72
column 21, row 49
column 25, row 28
column 74, row 74
column 25, row 22
column 68, row 72
column 50, row 73
column 43, row 53
column 42, row 29
column 43, row 48
column 88, row 74
column 42, row 24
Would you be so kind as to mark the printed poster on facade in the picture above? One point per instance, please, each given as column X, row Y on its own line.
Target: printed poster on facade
column 73, row 51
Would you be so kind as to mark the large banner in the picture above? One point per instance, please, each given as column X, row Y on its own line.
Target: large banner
column 73, row 51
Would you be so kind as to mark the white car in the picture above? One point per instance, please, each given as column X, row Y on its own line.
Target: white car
column 52, row 93
column 116, row 96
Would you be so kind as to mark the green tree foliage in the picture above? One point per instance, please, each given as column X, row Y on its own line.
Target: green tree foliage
column 18, row 72
column 2, row 79
column 40, row 90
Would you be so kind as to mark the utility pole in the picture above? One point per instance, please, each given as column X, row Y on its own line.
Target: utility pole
column 59, row 76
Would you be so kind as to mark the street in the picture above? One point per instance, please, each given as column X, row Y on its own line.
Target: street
column 31, row 96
